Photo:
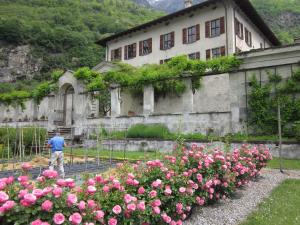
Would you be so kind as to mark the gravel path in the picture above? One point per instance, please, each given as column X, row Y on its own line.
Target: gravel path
column 235, row 210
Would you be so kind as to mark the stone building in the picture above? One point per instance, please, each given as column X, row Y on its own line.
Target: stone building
column 203, row 31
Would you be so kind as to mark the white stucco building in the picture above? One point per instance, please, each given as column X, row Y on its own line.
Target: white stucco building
column 206, row 30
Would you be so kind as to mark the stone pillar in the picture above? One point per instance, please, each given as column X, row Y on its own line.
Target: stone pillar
column 148, row 106
column 115, row 101
column 188, row 96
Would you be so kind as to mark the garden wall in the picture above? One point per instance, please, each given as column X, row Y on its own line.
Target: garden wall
column 289, row 151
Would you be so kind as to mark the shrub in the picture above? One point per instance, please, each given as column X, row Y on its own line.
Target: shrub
column 148, row 131
column 297, row 130
column 155, row 192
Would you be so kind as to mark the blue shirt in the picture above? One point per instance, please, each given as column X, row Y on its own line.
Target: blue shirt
column 57, row 143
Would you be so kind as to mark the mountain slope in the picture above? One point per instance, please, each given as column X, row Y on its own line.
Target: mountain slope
column 63, row 32
column 283, row 16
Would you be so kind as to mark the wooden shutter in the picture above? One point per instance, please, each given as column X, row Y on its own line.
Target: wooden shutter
column 161, row 42
column 198, row 32
column 184, row 35
column 223, row 51
column 207, row 29
column 172, row 39
column 112, row 55
column 161, row 61
column 150, row 44
column 250, row 37
column 242, row 31
column 222, row 25
column 236, row 26
column 207, row 54
column 134, row 50
column 140, row 48
column 126, row 52
column 197, row 55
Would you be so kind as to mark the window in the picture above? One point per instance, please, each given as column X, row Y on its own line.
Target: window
column 191, row 34
column 167, row 41
column 215, row 27
column 248, row 37
column 239, row 29
column 164, row 61
column 195, row 55
column 145, row 47
column 116, row 54
column 215, row 52
column 130, row 51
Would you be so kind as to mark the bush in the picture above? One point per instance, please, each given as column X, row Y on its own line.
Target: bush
column 297, row 130
column 148, row 131
column 155, row 192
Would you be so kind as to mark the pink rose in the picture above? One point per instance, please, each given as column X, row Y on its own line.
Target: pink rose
column 99, row 215
column 153, row 194
column 71, row 199
column 141, row 190
column 91, row 189
column 106, row 188
column 131, row 207
column 75, row 218
column 91, row 182
column 81, row 205
column 57, row 192
column 8, row 205
column 91, row 204
column 36, row 222
column 38, row 193
column 47, row 205
column 58, row 218
column 182, row 190
column 61, row 182
column 2, row 185
column 141, row 206
column 117, row 209
column 26, row 166
column 51, row 174
column 3, row 197
column 112, row 221
column 30, row 198
column 156, row 210
column 156, row 202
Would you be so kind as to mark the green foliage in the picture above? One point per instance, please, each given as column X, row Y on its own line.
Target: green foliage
column 148, row 131
column 42, row 90
column 166, row 78
column 282, row 16
column 13, row 136
column 64, row 33
column 56, row 74
column 263, row 102
column 297, row 130
column 14, row 97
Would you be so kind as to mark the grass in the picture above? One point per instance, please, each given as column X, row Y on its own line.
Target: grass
column 105, row 154
column 281, row 208
column 288, row 164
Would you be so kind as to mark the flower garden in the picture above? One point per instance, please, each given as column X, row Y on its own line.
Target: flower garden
column 154, row 192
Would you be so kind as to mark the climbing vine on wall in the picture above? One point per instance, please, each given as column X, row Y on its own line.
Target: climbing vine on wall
column 263, row 100
column 166, row 78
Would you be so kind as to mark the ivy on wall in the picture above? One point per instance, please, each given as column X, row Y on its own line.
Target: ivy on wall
column 263, row 100
column 166, row 78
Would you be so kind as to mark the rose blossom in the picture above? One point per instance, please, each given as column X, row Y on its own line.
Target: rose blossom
column 141, row 190
column 117, row 209
column 51, row 174
column 131, row 207
column 71, row 199
column 141, row 206
column 99, row 215
column 8, row 205
column 30, row 198
column 81, row 205
column 112, row 221
column 26, row 166
column 36, row 222
column 91, row 189
column 47, row 205
column 57, row 192
column 75, row 218
column 3, row 197
column 58, row 218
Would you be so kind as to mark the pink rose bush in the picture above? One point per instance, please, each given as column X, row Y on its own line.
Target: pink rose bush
column 155, row 192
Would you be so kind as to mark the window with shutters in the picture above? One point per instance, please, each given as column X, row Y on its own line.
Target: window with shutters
column 145, row 47
column 216, row 52
column 248, row 37
column 239, row 29
column 195, row 55
column 191, row 34
column 215, row 28
column 130, row 51
column 116, row 54
column 167, row 41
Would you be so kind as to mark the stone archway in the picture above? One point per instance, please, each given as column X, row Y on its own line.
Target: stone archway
column 67, row 91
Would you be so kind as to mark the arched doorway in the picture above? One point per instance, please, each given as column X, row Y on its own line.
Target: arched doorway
column 68, row 107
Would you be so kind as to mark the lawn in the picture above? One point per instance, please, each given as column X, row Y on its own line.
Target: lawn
column 105, row 154
column 281, row 208
column 288, row 164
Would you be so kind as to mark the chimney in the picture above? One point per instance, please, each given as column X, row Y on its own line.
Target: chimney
column 188, row 3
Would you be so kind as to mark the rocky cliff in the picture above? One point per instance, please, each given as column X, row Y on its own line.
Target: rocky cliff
column 17, row 63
